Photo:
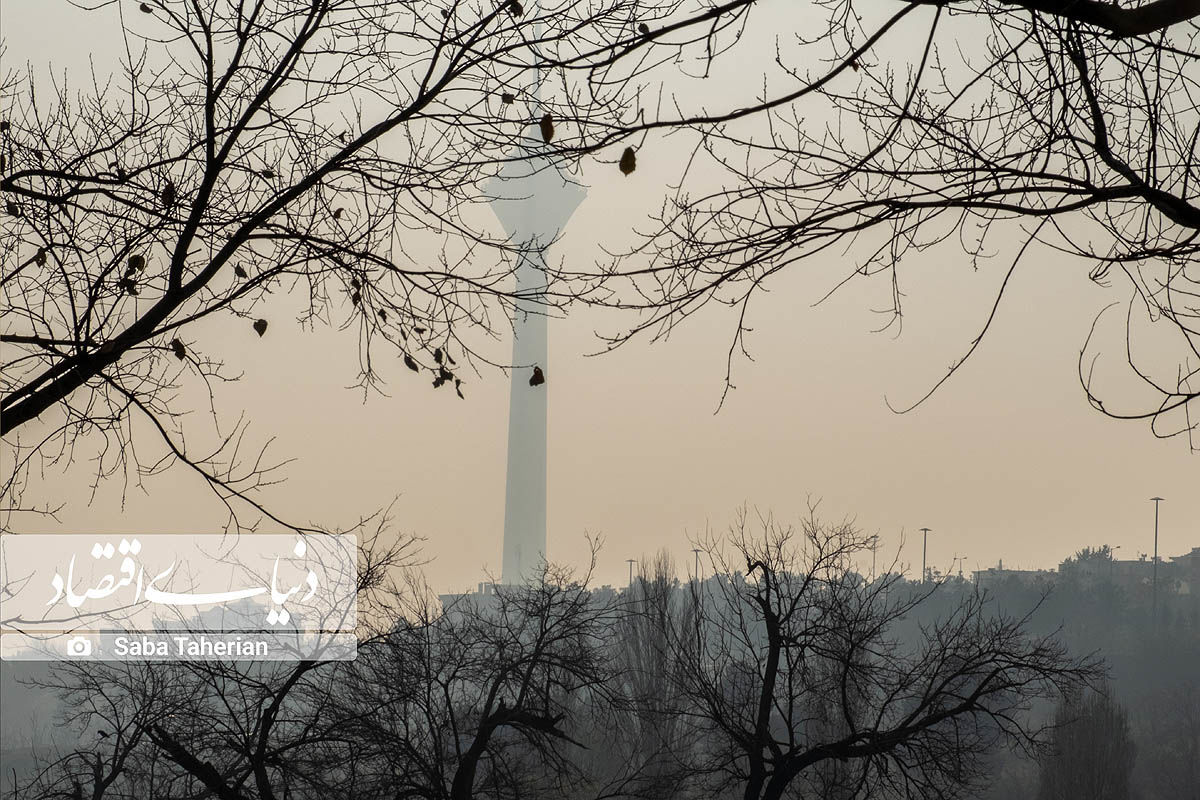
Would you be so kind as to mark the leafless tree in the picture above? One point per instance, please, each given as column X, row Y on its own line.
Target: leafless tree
column 486, row 698
column 796, row 675
column 880, row 135
column 246, row 162
column 232, row 730
column 785, row 674
column 109, row 709
column 175, row 730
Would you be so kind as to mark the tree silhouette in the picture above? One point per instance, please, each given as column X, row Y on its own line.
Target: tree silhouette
column 797, row 676
column 481, row 698
column 486, row 697
column 333, row 150
column 784, row 674
column 975, row 131
column 1167, row 719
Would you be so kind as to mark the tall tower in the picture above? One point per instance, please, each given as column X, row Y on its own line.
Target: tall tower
column 533, row 202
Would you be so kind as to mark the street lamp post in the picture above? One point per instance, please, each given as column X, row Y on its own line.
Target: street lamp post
column 696, row 551
column 631, row 562
column 924, row 549
column 1154, row 566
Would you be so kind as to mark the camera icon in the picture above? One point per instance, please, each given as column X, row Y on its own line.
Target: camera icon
column 78, row 647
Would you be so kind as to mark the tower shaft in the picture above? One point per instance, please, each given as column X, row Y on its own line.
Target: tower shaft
column 533, row 202
column 525, row 485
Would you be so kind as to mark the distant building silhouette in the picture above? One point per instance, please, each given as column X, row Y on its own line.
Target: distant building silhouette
column 1179, row 575
column 993, row 576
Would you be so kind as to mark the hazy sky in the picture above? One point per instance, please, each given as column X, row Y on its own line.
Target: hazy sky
column 1007, row 461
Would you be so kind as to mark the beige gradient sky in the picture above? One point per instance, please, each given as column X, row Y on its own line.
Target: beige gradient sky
column 1007, row 461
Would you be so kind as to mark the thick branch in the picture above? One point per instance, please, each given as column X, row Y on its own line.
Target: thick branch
column 205, row 772
column 1121, row 22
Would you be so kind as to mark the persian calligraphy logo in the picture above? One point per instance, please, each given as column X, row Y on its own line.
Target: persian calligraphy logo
column 63, row 589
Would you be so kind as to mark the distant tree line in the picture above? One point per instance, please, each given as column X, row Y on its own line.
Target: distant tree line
column 1138, row 735
column 787, row 675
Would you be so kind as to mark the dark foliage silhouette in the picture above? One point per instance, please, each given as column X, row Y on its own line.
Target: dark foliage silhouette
column 1092, row 753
